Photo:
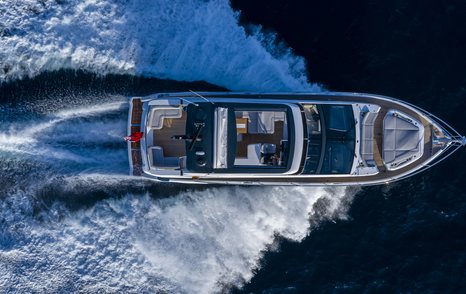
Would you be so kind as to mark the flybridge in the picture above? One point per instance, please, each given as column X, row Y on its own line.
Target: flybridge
column 236, row 138
column 284, row 138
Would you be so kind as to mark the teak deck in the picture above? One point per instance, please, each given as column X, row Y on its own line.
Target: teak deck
column 136, row 158
column 163, row 137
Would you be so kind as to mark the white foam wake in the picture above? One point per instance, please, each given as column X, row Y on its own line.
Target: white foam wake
column 72, row 136
column 195, row 242
column 33, row 129
column 178, row 39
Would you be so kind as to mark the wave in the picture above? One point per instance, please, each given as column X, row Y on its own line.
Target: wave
column 70, row 219
column 195, row 242
column 79, row 138
column 181, row 40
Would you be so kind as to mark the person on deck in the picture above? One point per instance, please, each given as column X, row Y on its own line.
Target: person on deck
column 134, row 137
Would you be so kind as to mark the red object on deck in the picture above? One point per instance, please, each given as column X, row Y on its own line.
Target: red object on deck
column 134, row 137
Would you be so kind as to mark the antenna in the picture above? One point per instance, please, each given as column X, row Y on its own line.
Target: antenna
column 195, row 104
column 199, row 95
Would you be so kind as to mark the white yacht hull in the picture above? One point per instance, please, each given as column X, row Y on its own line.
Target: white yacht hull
column 374, row 161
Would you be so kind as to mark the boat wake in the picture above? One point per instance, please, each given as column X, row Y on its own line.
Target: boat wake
column 83, row 137
column 194, row 242
column 181, row 40
column 70, row 218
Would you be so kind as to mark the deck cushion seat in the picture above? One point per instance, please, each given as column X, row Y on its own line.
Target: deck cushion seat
column 158, row 114
column 367, row 138
column 402, row 139
column 158, row 160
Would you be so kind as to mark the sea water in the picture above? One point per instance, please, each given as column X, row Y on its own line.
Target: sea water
column 71, row 219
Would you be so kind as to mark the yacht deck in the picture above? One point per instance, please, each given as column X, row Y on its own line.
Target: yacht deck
column 177, row 148
column 163, row 136
column 378, row 130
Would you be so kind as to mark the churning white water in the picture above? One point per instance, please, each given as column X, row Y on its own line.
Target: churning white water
column 135, row 241
column 185, row 40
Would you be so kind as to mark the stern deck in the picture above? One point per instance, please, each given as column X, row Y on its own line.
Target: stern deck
column 135, row 147
column 163, row 136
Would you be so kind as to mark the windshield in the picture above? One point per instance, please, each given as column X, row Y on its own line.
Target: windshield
column 331, row 135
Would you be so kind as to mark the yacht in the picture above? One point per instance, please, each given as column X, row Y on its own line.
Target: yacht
column 313, row 139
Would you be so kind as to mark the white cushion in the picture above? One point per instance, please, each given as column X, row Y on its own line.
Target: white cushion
column 157, row 116
column 402, row 139
column 158, row 160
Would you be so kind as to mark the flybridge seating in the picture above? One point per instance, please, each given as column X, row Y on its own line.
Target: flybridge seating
column 158, row 115
column 162, row 151
column 368, row 115
column 367, row 138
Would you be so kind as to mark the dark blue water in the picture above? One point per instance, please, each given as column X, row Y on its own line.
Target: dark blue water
column 410, row 236
column 72, row 221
